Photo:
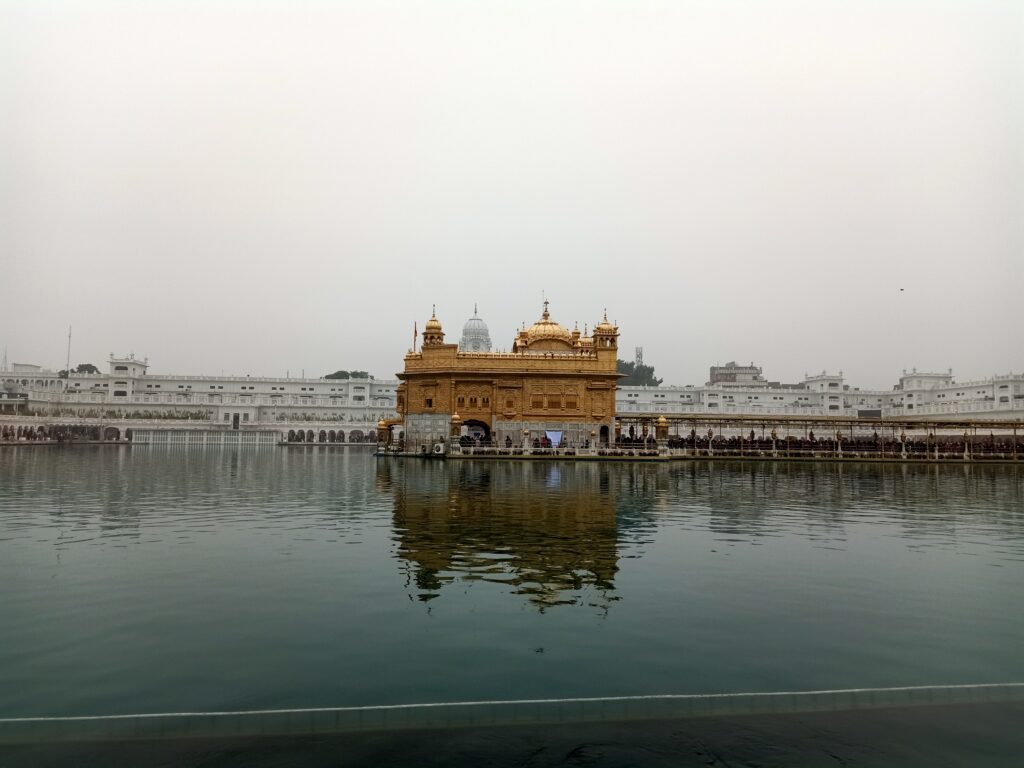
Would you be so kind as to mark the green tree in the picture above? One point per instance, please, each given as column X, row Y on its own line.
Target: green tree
column 338, row 375
column 637, row 375
column 80, row 368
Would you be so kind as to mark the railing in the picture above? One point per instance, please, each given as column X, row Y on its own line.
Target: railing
column 210, row 398
column 946, row 450
column 964, row 408
column 186, row 424
column 390, row 719
column 698, row 409
column 458, row 450
column 1004, row 450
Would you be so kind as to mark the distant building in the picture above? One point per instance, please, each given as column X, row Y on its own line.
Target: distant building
column 827, row 394
column 731, row 373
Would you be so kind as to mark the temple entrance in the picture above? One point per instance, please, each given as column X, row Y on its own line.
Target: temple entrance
column 604, row 434
column 478, row 430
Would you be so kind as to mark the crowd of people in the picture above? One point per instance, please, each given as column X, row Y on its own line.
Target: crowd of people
column 807, row 444
column 60, row 433
column 865, row 445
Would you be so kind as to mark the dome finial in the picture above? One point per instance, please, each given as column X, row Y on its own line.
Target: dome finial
column 475, row 311
column 433, row 310
column 545, row 314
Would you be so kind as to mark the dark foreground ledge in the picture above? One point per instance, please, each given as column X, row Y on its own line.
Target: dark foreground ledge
column 973, row 735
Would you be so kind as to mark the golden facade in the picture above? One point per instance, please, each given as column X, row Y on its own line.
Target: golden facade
column 552, row 380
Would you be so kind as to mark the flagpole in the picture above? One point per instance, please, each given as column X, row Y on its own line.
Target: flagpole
column 67, row 377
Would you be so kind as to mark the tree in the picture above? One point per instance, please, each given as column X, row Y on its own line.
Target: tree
column 80, row 368
column 349, row 375
column 637, row 375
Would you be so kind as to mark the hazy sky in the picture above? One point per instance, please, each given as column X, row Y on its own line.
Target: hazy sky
column 261, row 187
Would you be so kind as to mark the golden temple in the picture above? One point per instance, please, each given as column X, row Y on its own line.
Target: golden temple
column 555, row 387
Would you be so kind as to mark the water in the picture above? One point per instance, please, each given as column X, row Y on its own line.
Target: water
column 138, row 579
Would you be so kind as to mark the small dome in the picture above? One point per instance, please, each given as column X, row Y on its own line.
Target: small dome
column 433, row 324
column 604, row 326
column 433, row 336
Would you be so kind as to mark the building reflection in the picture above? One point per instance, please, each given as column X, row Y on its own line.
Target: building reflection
column 546, row 530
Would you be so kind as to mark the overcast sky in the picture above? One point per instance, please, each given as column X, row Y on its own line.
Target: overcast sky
column 269, row 187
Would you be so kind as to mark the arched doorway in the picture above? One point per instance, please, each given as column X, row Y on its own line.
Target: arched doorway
column 300, row 436
column 291, row 435
column 310, row 436
column 341, row 436
column 355, row 436
column 604, row 434
column 111, row 433
column 322, row 437
column 478, row 430
column 332, row 436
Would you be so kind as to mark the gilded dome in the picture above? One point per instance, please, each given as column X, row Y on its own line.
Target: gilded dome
column 433, row 324
column 546, row 328
column 604, row 325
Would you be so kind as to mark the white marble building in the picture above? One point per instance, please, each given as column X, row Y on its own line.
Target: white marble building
column 127, row 390
column 824, row 394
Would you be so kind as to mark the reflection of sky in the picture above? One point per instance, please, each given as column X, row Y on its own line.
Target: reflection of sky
column 554, row 478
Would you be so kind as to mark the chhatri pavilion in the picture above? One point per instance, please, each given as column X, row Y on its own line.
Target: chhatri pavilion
column 555, row 385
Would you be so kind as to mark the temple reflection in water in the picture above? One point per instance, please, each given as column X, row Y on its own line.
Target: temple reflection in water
column 547, row 530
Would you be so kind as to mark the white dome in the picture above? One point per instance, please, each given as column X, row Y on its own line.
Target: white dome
column 475, row 336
